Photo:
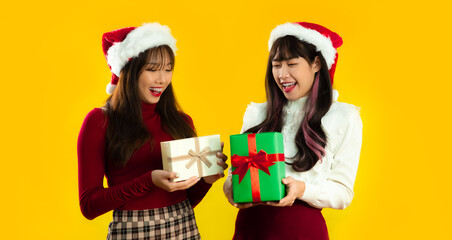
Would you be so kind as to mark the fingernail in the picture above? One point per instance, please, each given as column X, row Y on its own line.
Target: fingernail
column 177, row 174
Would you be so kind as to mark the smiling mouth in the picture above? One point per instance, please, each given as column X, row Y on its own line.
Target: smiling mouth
column 155, row 91
column 287, row 87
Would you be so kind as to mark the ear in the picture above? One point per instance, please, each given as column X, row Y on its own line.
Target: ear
column 317, row 64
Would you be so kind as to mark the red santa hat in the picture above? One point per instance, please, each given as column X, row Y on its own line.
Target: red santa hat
column 324, row 39
column 123, row 44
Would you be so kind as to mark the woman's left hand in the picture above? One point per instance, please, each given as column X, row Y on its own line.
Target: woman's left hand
column 213, row 178
column 295, row 189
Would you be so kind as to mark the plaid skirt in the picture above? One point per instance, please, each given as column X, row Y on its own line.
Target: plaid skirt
column 173, row 222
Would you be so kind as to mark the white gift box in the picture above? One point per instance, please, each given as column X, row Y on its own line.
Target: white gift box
column 192, row 156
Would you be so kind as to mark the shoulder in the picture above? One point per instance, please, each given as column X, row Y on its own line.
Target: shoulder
column 344, row 110
column 187, row 119
column 342, row 115
column 255, row 114
column 255, row 109
column 95, row 118
column 96, row 113
column 185, row 116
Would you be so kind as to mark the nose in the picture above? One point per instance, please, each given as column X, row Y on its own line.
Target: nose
column 162, row 77
column 283, row 73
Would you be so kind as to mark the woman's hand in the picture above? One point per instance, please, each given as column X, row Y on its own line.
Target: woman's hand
column 162, row 179
column 213, row 178
column 295, row 189
column 227, row 188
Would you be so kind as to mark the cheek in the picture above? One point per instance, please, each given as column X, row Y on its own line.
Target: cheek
column 141, row 83
column 142, row 78
column 275, row 74
column 304, row 76
column 169, row 78
column 309, row 80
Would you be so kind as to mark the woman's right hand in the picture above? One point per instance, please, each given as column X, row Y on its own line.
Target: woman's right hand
column 227, row 188
column 162, row 179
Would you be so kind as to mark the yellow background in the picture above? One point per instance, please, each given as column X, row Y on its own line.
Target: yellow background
column 394, row 64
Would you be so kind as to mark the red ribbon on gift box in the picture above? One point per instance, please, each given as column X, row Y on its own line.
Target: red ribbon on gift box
column 254, row 162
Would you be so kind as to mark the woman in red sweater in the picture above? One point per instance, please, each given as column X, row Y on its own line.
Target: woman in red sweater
column 122, row 139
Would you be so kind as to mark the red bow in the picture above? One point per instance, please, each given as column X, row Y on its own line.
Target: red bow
column 243, row 163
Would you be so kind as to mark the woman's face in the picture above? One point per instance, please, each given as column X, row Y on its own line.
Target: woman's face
column 295, row 76
column 154, row 79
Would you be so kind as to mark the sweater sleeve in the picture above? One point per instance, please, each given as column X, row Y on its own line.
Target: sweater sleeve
column 337, row 190
column 197, row 192
column 96, row 200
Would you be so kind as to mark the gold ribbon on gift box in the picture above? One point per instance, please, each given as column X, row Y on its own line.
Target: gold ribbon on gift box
column 196, row 156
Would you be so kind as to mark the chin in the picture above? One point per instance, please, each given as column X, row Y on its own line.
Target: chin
column 152, row 101
column 290, row 97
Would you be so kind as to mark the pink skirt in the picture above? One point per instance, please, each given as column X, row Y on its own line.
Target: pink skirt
column 300, row 221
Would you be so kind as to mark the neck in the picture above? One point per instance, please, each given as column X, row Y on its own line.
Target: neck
column 148, row 108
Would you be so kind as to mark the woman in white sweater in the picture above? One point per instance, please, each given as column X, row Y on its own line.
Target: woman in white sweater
column 322, row 137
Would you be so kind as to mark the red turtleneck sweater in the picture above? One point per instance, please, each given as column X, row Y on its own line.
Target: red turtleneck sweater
column 129, row 187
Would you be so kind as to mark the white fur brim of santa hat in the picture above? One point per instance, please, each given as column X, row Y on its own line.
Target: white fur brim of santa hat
column 138, row 40
column 323, row 43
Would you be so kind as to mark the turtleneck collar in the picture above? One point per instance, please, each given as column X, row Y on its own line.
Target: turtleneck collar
column 297, row 104
column 148, row 109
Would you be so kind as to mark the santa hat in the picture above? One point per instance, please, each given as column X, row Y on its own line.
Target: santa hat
column 324, row 39
column 123, row 44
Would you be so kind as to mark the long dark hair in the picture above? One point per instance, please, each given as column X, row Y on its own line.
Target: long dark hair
column 126, row 130
column 310, row 138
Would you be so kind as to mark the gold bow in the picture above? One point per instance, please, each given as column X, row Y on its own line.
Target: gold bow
column 199, row 156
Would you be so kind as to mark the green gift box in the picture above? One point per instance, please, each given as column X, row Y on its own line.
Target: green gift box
column 257, row 167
